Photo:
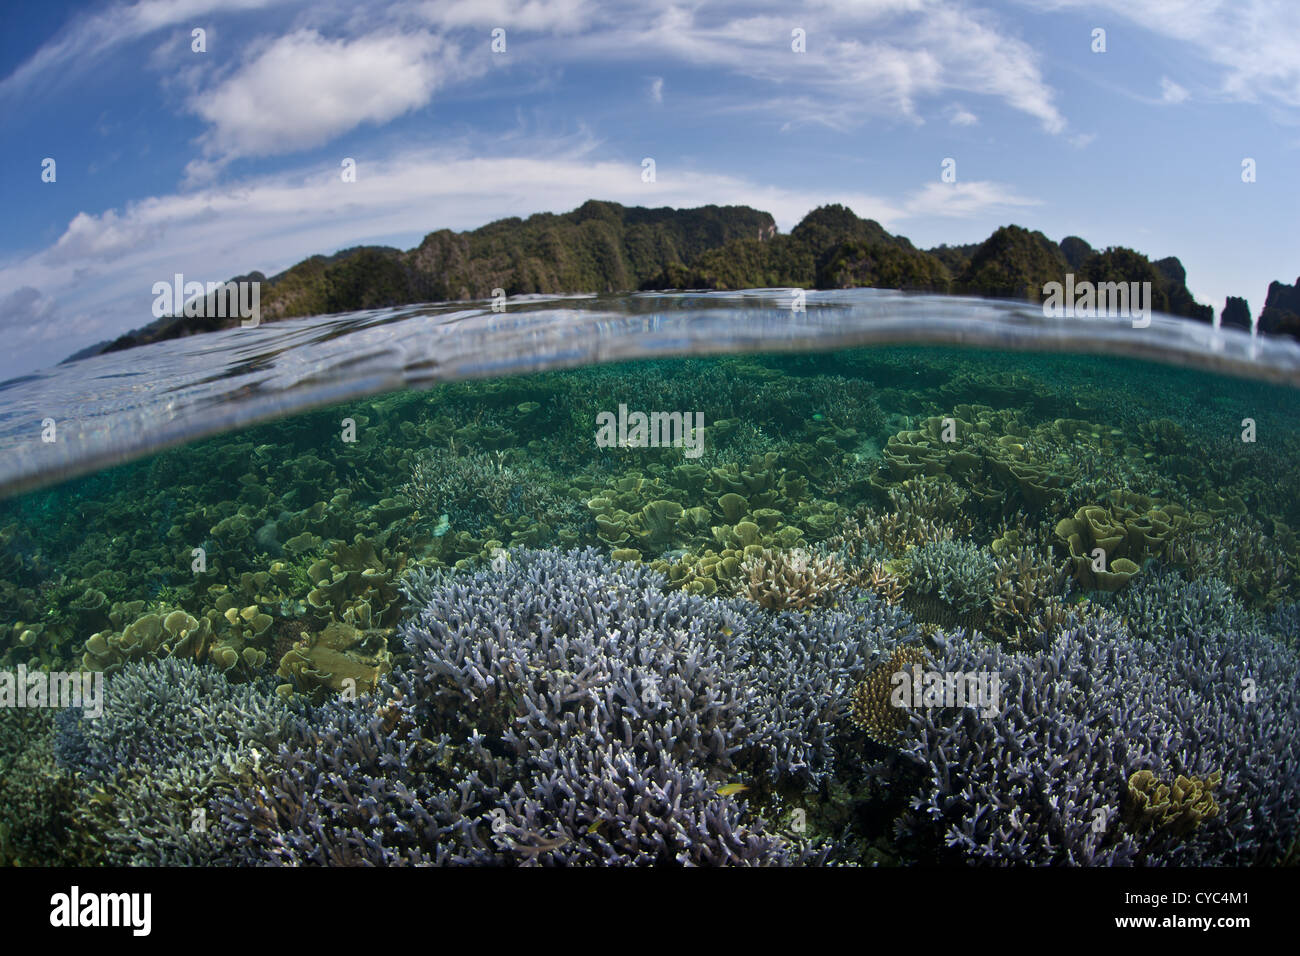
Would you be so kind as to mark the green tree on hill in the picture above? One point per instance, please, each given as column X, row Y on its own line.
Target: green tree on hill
column 1013, row 263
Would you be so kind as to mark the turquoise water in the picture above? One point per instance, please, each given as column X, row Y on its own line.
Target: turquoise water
column 420, row 586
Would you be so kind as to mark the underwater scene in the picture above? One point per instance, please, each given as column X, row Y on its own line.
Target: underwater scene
column 891, row 605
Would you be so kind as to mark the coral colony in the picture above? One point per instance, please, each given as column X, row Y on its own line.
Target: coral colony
column 903, row 608
column 653, row 430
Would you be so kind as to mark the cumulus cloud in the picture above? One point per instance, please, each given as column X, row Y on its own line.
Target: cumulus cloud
column 302, row 90
column 1171, row 92
column 657, row 89
column 101, row 239
column 959, row 116
column 299, row 90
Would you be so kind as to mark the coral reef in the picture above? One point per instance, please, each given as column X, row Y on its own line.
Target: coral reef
column 1168, row 605
column 1046, row 778
column 1030, row 590
column 338, row 658
column 406, row 656
column 872, row 708
column 36, row 826
column 951, row 582
column 1178, row 808
column 171, row 735
column 781, row 580
column 568, row 710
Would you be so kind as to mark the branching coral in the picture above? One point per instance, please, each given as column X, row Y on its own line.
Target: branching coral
column 781, row 580
column 1043, row 780
column 953, row 580
column 1029, row 601
column 553, row 712
column 872, row 706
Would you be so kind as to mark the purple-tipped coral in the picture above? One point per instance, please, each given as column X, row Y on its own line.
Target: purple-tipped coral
column 1045, row 779
column 565, row 710
column 172, row 733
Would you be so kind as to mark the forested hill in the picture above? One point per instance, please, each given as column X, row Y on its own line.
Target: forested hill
column 606, row 247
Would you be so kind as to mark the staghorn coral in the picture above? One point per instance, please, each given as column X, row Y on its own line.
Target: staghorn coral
column 1045, row 783
column 38, row 801
column 781, row 580
column 1168, row 605
column 1258, row 567
column 951, row 580
column 1030, row 590
column 487, row 494
column 886, row 585
column 552, row 713
column 1285, row 623
column 935, row 499
column 171, row 735
column 868, row 535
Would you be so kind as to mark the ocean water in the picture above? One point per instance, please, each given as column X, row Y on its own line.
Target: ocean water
column 656, row 579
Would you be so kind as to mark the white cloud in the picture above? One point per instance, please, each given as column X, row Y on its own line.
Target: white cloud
column 104, row 238
column 303, row 90
column 299, row 90
column 531, row 15
column 1252, row 41
column 862, row 59
column 657, row 89
column 86, row 40
column 1171, row 92
column 959, row 116
column 963, row 200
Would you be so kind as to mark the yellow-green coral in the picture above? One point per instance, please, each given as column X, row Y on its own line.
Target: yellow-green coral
column 1108, row 543
column 779, row 580
column 871, row 705
column 340, row 658
column 1178, row 808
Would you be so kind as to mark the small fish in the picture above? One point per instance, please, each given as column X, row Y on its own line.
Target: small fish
column 818, row 416
column 727, row 630
column 732, row 789
column 542, row 845
column 444, row 525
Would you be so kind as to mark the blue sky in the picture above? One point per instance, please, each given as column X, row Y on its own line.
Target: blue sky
column 213, row 164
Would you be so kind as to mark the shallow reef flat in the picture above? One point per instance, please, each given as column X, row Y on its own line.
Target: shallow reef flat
column 891, row 606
